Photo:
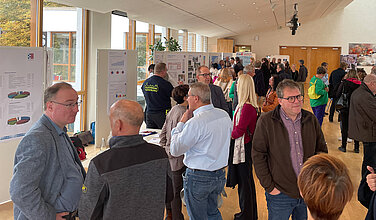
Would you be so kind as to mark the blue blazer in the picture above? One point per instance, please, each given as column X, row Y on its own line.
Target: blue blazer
column 38, row 175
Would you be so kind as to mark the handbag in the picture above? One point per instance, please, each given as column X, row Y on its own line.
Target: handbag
column 343, row 102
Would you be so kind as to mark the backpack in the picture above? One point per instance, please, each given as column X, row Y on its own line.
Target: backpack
column 312, row 91
column 79, row 147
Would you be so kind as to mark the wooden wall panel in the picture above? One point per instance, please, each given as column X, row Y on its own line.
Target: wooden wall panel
column 225, row 45
column 313, row 57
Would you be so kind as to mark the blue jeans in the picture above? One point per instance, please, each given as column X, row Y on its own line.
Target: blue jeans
column 201, row 190
column 319, row 112
column 281, row 206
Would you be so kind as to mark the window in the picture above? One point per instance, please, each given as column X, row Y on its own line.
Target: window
column 63, row 32
column 142, row 31
column 119, row 32
column 15, row 23
column 64, row 56
column 191, row 42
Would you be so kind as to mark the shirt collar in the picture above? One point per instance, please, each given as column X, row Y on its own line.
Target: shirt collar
column 203, row 108
column 58, row 129
column 285, row 116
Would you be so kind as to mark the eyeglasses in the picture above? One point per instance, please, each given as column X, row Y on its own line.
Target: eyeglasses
column 205, row 74
column 71, row 105
column 292, row 99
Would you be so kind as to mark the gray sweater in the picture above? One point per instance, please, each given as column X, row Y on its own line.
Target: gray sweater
column 126, row 182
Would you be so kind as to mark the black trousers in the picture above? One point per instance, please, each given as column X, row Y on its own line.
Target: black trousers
column 344, row 115
column 155, row 120
column 332, row 109
column 176, row 204
column 246, row 187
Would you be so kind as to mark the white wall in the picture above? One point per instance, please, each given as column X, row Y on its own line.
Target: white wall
column 99, row 38
column 354, row 24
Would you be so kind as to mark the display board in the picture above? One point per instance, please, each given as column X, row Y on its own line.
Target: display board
column 116, row 79
column 282, row 57
column 22, row 82
column 246, row 57
column 214, row 58
column 182, row 66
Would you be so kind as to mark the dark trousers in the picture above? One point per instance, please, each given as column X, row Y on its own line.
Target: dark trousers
column 344, row 116
column 319, row 112
column 332, row 109
column 246, row 187
column 176, row 204
column 369, row 157
column 155, row 120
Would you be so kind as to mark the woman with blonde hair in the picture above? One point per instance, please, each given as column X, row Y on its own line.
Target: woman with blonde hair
column 225, row 81
column 240, row 162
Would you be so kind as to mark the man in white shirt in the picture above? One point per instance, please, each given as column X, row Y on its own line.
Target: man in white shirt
column 204, row 140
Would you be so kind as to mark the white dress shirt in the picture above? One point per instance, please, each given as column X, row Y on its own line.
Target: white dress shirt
column 204, row 139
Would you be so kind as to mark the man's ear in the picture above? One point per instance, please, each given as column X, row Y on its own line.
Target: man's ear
column 49, row 106
column 118, row 125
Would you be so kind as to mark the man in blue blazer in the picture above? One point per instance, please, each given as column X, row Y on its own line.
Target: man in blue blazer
column 48, row 176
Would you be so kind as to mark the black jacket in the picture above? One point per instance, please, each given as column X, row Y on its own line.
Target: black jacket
column 334, row 81
column 302, row 75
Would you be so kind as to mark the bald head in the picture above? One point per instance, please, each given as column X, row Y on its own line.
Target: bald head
column 126, row 117
column 370, row 81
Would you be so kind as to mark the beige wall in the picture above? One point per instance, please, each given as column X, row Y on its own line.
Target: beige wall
column 99, row 38
column 354, row 24
column 212, row 44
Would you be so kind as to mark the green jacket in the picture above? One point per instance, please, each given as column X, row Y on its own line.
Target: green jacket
column 320, row 90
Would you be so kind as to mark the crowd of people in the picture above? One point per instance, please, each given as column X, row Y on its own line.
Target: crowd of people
column 233, row 119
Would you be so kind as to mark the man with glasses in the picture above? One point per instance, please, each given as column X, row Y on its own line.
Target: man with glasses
column 283, row 140
column 217, row 97
column 205, row 141
column 48, row 175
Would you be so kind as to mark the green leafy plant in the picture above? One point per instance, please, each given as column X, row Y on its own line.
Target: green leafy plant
column 172, row 44
column 156, row 47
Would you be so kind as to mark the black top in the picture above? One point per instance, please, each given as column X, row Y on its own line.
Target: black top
column 334, row 81
column 157, row 93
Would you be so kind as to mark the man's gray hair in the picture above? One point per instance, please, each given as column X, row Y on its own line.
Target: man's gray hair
column 369, row 78
column 249, row 69
column 198, row 70
column 286, row 83
column 50, row 92
column 373, row 70
column 202, row 91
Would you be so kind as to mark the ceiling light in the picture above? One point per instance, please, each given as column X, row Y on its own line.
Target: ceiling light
column 223, row 5
column 254, row 3
column 256, row 8
column 234, row 14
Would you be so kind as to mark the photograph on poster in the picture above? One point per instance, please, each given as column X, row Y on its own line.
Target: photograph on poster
column 194, row 61
column 368, row 60
column 362, row 49
column 350, row 59
column 181, row 78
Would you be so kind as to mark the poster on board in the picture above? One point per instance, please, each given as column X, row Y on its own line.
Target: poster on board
column 117, row 77
column 159, row 57
column 21, row 90
column 194, row 61
column 246, row 57
column 176, row 68
column 214, row 58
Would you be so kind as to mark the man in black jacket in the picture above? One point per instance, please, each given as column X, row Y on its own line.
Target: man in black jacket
column 302, row 76
column 334, row 81
column 128, row 181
